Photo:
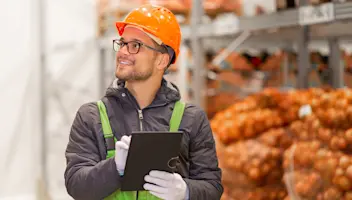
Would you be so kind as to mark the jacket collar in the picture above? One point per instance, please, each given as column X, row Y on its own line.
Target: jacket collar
column 168, row 92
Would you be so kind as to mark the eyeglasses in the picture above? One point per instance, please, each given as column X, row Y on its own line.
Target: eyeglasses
column 133, row 47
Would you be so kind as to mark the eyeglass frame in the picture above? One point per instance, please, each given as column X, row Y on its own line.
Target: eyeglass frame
column 138, row 42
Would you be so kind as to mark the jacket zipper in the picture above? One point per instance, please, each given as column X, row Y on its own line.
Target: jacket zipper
column 140, row 115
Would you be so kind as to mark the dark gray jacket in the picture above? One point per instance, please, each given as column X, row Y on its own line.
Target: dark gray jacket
column 89, row 176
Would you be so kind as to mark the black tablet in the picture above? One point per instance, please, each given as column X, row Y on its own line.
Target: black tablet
column 150, row 151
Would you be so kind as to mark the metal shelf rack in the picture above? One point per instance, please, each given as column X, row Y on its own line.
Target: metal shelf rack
column 283, row 29
column 289, row 29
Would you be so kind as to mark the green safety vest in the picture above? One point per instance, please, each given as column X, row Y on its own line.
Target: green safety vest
column 175, row 122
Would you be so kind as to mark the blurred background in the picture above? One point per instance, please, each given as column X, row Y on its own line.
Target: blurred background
column 274, row 77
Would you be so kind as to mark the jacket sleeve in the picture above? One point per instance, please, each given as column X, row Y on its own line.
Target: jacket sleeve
column 204, row 182
column 86, row 176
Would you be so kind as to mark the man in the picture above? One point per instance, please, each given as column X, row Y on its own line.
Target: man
column 140, row 99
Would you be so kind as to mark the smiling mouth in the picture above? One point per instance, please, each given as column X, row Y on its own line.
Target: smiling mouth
column 124, row 62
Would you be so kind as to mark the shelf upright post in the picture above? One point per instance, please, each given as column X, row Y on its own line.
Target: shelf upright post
column 303, row 54
column 182, row 71
column 42, row 5
column 102, row 65
column 102, row 38
column 335, row 63
column 286, row 66
column 199, row 80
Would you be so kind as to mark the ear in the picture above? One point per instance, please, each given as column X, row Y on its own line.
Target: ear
column 163, row 61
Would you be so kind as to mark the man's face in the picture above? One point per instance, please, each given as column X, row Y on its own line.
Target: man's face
column 140, row 66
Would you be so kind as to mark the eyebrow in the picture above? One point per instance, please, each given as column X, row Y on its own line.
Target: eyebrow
column 134, row 40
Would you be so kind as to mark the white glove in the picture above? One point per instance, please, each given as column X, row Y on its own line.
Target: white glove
column 168, row 186
column 121, row 150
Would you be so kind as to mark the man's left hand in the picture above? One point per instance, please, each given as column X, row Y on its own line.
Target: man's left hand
column 168, row 186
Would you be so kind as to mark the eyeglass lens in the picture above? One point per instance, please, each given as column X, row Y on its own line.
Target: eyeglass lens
column 132, row 47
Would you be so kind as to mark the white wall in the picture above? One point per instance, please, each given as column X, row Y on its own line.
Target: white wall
column 72, row 62
column 19, row 124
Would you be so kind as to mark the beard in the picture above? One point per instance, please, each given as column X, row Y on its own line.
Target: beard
column 131, row 73
column 126, row 75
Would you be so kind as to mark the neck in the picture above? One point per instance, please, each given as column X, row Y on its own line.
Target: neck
column 144, row 91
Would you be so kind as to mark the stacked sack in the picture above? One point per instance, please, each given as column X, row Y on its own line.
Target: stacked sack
column 319, row 165
column 251, row 142
column 271, row 148
column 313, row 171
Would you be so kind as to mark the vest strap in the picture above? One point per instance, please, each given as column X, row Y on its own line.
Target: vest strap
column 176, row 117
column 107, row 131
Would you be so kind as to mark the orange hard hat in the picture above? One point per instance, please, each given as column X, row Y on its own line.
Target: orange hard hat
column 156, row 20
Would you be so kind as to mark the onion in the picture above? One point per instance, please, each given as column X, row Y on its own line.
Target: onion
column 344, row 183
column 339, row 172
column 349, row 172
column 333, row 193
column 324, row 134
column 348, row 135
column 335, row 143
column 348, row 196
column 342, row 143
column 344, row 162
column 254, row 173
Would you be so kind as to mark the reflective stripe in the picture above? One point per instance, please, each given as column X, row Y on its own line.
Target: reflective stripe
column 107, row 131
column 176, row 117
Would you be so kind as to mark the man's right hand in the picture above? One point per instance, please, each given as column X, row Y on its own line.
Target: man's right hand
column 121, row 150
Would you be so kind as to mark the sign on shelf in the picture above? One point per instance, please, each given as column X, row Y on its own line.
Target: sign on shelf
column 316, row 14
column 227, row 25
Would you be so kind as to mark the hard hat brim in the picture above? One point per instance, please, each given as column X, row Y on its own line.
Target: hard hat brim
column 120, row 26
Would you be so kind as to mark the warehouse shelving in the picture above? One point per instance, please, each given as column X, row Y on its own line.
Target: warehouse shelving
column 291, row 18
column 281, row 19
column 282, row 29
column 285, row 29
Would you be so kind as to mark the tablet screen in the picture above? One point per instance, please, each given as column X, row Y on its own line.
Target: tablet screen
column 150, row 151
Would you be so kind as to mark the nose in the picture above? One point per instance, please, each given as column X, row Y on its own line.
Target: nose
column 123, row 53
column 124, row 50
